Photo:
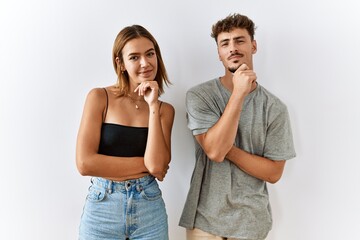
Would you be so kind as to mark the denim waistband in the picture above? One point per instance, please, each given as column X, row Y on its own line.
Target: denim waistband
column 112, row 186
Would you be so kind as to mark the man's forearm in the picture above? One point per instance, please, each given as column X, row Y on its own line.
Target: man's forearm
column 256, row 166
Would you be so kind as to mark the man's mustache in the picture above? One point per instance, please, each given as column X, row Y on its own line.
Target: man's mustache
column 235, row 54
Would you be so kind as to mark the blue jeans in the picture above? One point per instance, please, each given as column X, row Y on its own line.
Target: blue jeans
column 132, row 210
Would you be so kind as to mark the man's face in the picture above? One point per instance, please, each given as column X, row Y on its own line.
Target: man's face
column 235, row 48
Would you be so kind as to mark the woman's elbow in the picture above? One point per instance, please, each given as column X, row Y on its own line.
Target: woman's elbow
column 82, row 166
column 158, row 170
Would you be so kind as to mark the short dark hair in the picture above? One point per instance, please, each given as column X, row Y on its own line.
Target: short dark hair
column 231, row 22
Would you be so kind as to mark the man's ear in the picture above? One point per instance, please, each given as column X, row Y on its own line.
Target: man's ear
column 254, row 46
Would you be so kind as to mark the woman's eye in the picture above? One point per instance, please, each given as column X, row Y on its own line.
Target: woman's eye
column 150, row 54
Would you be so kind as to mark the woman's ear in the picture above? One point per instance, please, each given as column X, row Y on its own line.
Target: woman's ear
column 117, row 60
column 119, row 64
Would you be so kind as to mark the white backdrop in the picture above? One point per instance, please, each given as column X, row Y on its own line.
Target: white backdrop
column 52, row 52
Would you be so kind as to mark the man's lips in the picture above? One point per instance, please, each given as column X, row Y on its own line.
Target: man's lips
column 235, row 56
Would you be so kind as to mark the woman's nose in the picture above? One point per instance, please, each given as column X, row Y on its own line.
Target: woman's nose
column 143, row 62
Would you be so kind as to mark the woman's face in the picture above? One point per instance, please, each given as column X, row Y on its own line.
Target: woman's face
column 140, row 61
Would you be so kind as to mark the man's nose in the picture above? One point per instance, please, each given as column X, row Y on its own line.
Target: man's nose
column 233, row 48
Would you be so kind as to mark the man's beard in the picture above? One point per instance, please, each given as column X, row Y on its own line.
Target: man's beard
column 233, row 69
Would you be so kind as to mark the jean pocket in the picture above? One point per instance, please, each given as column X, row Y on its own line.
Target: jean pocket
column 151, row 192
column 96, row 194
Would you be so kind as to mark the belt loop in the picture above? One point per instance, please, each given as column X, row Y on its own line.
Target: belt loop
column 139, row 187
column 109, row 187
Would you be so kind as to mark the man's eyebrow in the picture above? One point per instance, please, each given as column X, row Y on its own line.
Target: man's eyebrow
column 239, row 37
column 235, row 38
column 224, row 40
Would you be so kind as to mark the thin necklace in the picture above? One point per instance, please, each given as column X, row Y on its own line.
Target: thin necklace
column 135, row 100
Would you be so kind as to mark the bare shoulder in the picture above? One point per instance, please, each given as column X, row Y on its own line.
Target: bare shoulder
column 96, row 93
column 167, row 108
column 96, row 100
column 167, row 114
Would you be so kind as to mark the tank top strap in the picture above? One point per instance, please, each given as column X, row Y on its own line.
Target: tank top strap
column 107, row 104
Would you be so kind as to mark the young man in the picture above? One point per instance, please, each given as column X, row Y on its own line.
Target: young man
column 243, row 137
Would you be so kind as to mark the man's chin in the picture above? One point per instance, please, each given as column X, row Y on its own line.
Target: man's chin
column 233, row 69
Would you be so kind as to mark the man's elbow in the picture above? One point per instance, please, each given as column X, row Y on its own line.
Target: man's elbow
column 216, row 157
column 277, row 172
column 274, row 178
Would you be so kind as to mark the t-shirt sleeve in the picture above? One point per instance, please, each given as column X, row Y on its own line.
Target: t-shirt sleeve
column 201, row 112
column 279, row 140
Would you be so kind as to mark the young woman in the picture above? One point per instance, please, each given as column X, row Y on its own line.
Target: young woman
column 124, row 143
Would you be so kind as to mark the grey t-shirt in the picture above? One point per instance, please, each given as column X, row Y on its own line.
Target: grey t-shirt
column 222, row 199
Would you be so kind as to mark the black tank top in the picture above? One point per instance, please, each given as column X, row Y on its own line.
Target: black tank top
column 122, row 141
